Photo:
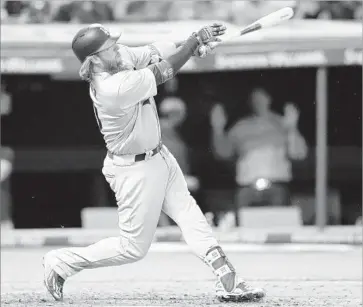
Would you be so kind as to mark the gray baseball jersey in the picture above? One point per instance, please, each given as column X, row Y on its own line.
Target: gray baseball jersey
column 123, row 102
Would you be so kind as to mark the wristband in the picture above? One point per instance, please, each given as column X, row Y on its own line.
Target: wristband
column 198, row 38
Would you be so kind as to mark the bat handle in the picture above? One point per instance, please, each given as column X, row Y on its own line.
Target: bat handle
column 214, row 44
column 251, row 28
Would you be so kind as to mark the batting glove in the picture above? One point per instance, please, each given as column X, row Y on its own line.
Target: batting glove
column 210, row 33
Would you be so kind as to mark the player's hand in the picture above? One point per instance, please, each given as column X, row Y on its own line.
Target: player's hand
column 291, row 116
column 154, row 59
column 210, row 33
column 218, row 118
column 205, row 50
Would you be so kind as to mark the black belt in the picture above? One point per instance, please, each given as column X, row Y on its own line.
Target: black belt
column 142, row 157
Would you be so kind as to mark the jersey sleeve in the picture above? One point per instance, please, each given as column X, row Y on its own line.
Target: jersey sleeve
column 131, row 87
column 141, row 56
column 165, row 49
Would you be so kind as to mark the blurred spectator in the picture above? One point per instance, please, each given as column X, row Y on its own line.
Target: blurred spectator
column 246, row 12
column 157, row 10
column 358, row 12
column 181, row 10
column 6, row 102
column 263, row 144
column 119, row 9
column 151, row 10
column 223, row 11
column 12, row 10
column 307, row 10
column 338, row 10
column 356, row 7
column 4, row 12
column 173, row 113
column 205, row 10
column 237, row 11
column 6, row 155
column 6, row 166
column 84, row 12
column 212, row 10
column 135, row 10
column 36, row 12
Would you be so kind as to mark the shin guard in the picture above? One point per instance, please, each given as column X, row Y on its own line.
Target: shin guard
column 222, row 268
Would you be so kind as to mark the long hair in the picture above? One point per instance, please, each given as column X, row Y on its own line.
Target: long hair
column 86, row 70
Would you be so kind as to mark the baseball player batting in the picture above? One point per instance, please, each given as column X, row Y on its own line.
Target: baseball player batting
column 143, row 174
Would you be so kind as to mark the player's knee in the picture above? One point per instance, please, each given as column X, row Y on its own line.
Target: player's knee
column 137, row 250
column 142, row 251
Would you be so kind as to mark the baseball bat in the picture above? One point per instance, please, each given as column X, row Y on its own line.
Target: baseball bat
column 267, row 21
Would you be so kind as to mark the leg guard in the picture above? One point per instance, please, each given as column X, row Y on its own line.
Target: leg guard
column 222, row 268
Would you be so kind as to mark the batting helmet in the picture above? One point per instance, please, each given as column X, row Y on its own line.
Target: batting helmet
column 92, row 39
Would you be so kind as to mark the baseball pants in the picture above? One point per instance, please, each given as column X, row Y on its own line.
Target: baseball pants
column 142, row 189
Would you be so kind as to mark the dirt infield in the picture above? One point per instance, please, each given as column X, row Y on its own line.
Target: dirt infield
column 332, row 279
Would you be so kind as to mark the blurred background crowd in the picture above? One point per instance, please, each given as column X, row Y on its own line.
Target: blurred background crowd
column 238, row 12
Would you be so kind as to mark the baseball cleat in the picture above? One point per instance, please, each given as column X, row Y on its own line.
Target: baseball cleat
column 53, row 281
column 242, row 293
